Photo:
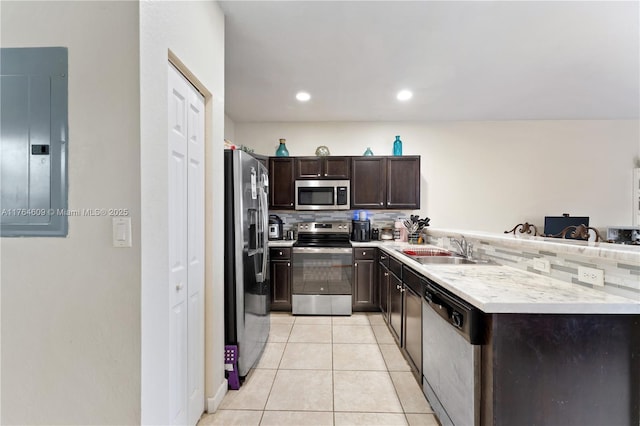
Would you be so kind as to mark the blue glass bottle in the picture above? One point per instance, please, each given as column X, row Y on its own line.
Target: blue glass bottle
column 368, row 152
column 282, row 150
column 397, row 146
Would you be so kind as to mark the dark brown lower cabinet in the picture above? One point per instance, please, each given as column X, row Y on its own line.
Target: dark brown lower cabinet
column 280, row 279
column 561, row 370
column 412, row 320
column 395, row 307
column 365, row 287
column 383, row 284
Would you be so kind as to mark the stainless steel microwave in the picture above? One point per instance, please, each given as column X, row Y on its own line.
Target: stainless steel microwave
column 323, row 194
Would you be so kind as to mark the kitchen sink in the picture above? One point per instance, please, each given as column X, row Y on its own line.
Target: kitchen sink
column 429, row 256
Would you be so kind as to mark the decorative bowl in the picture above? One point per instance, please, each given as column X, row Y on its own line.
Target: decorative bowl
column 322, row 151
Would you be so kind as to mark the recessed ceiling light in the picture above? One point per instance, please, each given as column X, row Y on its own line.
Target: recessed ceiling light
column 303, row 96
column 404, row 95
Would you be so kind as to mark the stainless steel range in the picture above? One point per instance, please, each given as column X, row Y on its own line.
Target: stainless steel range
column 322, row 269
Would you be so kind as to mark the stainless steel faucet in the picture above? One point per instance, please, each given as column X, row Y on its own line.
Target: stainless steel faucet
column 465, row 248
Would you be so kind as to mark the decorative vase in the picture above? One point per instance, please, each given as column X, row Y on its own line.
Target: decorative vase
column 282, row 150
column 397, row 146
column 368, row 152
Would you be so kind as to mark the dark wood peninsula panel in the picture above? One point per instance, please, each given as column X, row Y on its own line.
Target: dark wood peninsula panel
column 561, row 369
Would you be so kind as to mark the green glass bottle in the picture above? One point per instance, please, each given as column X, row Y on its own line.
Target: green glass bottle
column 282, row 150
column 368, row 152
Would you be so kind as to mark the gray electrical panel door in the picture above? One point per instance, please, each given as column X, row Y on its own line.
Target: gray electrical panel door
column 33, row 141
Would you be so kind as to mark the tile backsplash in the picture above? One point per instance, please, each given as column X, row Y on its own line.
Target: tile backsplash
column 379, row 218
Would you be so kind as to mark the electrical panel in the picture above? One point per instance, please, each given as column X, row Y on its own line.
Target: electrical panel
column 33, row 141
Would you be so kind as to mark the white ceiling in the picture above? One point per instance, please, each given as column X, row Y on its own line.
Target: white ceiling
column 508, row 60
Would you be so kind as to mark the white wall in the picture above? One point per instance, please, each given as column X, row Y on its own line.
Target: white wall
column 229, row 129
column 489, row 176
column 194, row 34
column 71, row 306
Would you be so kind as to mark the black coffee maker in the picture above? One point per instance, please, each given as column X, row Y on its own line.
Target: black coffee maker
column 360, row 230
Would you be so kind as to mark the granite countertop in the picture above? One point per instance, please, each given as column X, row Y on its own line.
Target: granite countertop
column 502, row 289
column 281, row 243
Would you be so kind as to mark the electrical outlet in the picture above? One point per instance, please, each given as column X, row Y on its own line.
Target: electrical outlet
column 541, row 265
column 591, row 276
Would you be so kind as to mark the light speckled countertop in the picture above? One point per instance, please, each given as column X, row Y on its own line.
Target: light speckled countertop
column 281, row 243
column 501, row 289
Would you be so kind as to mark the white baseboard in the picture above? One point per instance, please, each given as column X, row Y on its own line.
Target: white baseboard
column 214, row 402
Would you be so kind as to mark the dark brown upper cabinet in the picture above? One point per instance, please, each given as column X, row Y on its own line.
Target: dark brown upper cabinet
column 368, row 182
column 403, row 182
column 281, row 180
column 385, row 182
column 322, row 168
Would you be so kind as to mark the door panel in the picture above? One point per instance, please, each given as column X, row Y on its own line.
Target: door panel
column 186, row 249
column 195, row 254
column 178, row 235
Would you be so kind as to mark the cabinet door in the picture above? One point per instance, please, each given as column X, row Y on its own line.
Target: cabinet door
column 281, row 192
column 403, row 183
column 383, row 285
column 364, row 293
column 337, row 168
column 281, row 285
column 368, row 183
column 413, row 329
column 395, row 307
column 308, row 168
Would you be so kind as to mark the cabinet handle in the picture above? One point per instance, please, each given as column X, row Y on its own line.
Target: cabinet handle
column 291, row 204
column 355, row 264
column 318, row 174
column 398, row 287
column 364, row 253
column 386, row 274
column 288, row 263
column 280, row 253
column 325, row 174
column 402, row 290
column 383, row 257
column 179, row 286
column 381, row 203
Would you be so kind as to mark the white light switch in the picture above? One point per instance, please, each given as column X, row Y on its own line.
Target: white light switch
column 121, row 231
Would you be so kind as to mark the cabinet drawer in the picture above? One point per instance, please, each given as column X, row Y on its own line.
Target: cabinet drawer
column 383, row 258
column 412, row 279
column 364, row 253
column 280, row 253
column 395, row 266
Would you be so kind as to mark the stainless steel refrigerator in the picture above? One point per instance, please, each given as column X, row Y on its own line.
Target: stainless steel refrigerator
column 246, row 272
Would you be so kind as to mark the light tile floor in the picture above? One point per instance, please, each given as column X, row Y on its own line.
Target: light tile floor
column 327, row 371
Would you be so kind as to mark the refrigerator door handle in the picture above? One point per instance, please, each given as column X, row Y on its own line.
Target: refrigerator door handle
column 262, row 201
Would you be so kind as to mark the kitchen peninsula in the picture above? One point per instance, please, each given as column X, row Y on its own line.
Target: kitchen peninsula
column 553, row 351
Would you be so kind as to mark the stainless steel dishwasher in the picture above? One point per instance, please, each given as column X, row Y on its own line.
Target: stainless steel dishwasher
column 451, row 338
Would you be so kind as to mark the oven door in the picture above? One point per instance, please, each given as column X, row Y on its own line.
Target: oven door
column 322, row 281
